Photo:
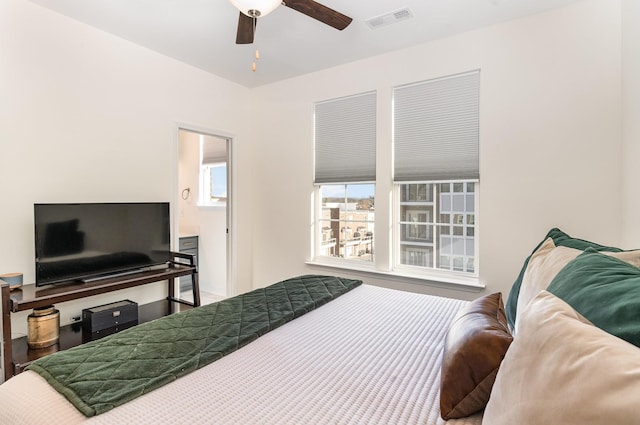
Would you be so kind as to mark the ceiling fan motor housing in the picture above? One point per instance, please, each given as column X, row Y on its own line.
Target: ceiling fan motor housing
column 250, row 10
column 256, row 8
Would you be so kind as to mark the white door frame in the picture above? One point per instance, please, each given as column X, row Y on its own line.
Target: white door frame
column 231, row 254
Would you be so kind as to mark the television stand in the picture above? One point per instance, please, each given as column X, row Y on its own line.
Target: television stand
column 16, row 353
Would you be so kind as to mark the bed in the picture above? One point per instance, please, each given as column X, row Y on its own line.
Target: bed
column 563, row 349
column 372, row 355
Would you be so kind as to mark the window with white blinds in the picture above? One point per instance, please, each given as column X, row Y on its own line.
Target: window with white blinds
column 345, row 139
column 436, row 129
column 426, row 226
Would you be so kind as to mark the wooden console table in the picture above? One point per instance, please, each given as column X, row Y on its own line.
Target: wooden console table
column 16, row 353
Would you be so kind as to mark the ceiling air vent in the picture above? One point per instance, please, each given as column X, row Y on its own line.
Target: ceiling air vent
column 389, row 18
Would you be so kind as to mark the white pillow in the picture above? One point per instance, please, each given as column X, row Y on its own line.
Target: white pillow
column 631, row 257
column 560, row 369
column 544, row 265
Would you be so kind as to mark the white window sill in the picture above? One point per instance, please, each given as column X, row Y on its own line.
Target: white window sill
column 220, row 206
column 431, row 278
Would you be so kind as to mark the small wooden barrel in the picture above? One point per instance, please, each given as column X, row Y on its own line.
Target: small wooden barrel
column 43, row 327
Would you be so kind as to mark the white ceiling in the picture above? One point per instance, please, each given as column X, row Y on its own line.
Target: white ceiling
column 202, row 32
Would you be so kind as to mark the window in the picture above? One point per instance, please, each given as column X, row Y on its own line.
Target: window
column 436, row 173
column 214, row 183
column 346, row 221
column 437, row 231
column 345, row 172
column 213, row 170
column 432, row 175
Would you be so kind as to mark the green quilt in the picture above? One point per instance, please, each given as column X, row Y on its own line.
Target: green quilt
column 103, row 374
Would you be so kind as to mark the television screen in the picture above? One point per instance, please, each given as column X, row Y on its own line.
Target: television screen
column 80, row 242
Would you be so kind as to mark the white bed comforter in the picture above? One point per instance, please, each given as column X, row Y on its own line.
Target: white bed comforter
column 372, row 356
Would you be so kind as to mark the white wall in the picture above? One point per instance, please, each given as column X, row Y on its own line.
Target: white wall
column 631, row 120
column 85, row 116
column 550, row 142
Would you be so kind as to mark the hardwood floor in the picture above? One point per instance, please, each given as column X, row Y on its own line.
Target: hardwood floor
column 205, row 297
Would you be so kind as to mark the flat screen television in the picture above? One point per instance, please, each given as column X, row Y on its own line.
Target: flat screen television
column 86, row 241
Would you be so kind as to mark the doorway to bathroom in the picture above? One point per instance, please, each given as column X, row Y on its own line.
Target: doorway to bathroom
column 203, row 206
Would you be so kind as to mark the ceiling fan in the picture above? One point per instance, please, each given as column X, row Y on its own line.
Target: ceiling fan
column 250, row 10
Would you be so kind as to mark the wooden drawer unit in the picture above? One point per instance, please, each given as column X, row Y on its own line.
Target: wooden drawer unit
column 188, row 245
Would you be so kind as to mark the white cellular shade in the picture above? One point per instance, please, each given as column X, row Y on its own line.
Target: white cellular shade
column 214, row 150
column 345, row 139
column 436, row 129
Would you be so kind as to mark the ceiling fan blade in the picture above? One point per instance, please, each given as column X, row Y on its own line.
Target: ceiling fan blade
column 246, row 29
column 320, row 12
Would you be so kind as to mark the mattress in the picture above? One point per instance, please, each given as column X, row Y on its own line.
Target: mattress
column 372, row 356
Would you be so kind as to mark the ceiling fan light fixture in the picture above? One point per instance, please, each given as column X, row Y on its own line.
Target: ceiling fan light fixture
column 256, row 8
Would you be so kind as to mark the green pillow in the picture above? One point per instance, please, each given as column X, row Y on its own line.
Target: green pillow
column 560, row 239
column 605, row 290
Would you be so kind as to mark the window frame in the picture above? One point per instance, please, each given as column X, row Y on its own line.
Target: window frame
column 350, row 263
column 431, row 273
column 206, row 198
column 386, row 244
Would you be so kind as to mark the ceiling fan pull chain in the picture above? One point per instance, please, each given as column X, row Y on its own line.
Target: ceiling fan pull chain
column 257, row 55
